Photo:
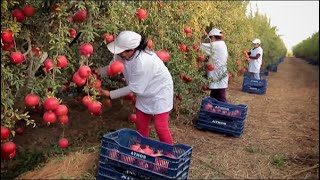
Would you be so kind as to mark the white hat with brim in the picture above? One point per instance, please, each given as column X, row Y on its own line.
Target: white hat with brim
column 125, row 40
column 215, row 32
column 256, row 41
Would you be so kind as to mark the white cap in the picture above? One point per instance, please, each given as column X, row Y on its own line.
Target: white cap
column 215, row 32
column 256, row 41
column 125, row 40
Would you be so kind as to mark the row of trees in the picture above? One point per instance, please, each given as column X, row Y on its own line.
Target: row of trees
column 308, row 48
column 50, row 29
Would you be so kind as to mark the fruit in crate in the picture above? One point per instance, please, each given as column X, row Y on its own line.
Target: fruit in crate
column 127, row 158
column 147, row 150
column 144, row 164
column 161, row 165
column 114, row 153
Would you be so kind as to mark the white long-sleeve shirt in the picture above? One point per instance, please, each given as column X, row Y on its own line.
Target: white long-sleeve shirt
column 150, row 80
column 218, row 53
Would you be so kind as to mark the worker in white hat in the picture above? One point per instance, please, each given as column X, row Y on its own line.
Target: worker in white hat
column 148, row 78
column 255, row 55
column 217, row 52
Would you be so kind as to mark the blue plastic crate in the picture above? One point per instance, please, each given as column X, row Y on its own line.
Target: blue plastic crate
column 115, row 150
column 254, row 90
column 247, row 81
column 223, row 110
column 262, row 73
column 202, row 125
column 222, row 123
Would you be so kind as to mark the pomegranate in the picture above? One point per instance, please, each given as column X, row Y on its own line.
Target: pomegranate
column 8, row 156
column 141, row 14
column 127, row 159
column 28, row 10
column 116, row 67
column 161, row 165
column 179, row 97
column 48, row 64
column 108, row 38
column 36, row 51
column 63, row 143
column 95, row 107
column 62, row 61
column 7, row 36
column 133, row 118
column 163, row 55
column 84, row 71
column 158, row 153
column 144, row 164
column 8, row 147
column 183, row 48
column 86, row 49
column 107, row 103
column 96, row 84
column 16, row 57
column 49, row 117
column 150, row 44
column 147, row 150
column 135, row 147
column 61, row 110
column 19, row 131
column 73, row 33
column 80, row 16
column 7, row 47
column 113, row 154
column 210, row 67
column 201, row 59
column 31, row 100
column 109, row 72
column 51, row 103
column 78, row 80
column 208, row 107
column 195, row 47
column 64, row 119
column 187, row 30
column 86, row 100
column 18, row 14
column 5, row 132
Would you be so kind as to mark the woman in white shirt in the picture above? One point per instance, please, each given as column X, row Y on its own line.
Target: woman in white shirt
column 255, row 55
column 148, row 78
column 218, row 54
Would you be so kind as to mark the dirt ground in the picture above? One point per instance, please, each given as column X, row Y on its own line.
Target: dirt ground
column 280, row 139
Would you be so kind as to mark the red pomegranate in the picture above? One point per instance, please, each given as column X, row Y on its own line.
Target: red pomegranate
column 48, row 64
column 49, row 117
column 141, row 14
column 73, row 33
column 80, row 16
column 64, row 119
column 78, row 80
column 7, row 36
column 163, row 55
column 63, row 143
column 31, row 100
column 5, row 132
column 61, row 110
column 18, row 14
column 84, row 71
column 16, row 57
column 86, row 100
column 86, row 49
column 51, row 103
column 28, row 10
column 62, row 61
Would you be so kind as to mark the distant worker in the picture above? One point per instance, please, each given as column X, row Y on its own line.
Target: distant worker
column 218, row 55
column 255, row 56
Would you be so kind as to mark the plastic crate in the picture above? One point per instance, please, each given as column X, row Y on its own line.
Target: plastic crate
column 247, row 81
column 262, row 73
column 115, row 150
column 223, row 110
column 254, row 90
column 202, row 125
column 209, row 119
column 108, row 171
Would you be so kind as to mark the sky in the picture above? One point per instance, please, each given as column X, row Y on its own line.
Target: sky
column 295, row 20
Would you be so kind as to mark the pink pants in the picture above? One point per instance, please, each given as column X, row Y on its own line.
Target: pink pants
column 160, row 123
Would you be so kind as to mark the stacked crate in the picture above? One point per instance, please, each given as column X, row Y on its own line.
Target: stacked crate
column 222, row 117
column 119, row 160
column 254, row 86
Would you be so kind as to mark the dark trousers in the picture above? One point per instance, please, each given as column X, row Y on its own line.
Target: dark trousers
column 219, row 94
